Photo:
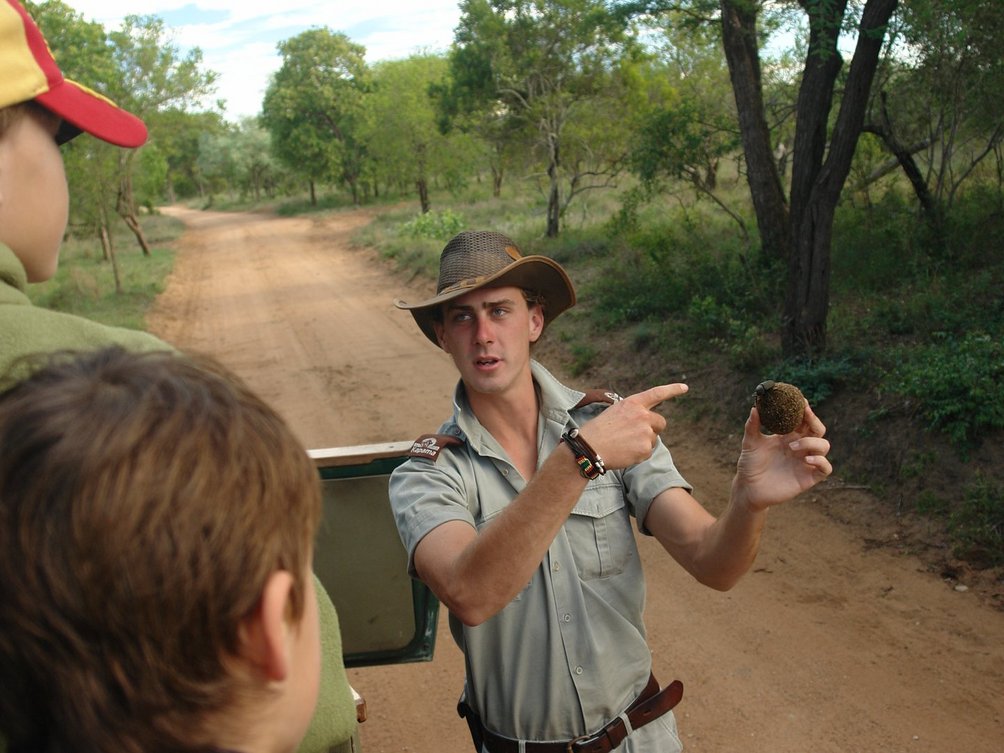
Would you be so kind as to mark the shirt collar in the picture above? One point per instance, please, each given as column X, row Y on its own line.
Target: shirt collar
column 13, row 276
column 556, row 400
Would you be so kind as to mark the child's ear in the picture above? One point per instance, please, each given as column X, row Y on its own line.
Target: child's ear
column 265, row 633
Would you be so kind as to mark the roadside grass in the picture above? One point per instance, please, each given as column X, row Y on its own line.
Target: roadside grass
column 85, row 282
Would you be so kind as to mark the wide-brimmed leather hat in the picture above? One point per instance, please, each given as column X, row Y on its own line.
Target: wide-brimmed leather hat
column 477, row 259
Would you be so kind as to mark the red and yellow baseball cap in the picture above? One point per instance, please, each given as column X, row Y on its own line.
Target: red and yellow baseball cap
column 29, row 72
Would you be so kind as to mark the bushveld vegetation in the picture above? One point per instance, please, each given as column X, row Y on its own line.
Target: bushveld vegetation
column 798, row 191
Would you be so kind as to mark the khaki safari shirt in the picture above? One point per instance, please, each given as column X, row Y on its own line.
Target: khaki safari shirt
column 568, row 654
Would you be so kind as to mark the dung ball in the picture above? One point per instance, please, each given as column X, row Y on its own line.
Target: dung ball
column 780, row 406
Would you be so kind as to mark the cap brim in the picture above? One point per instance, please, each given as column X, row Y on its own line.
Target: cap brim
column 537, row 273
column 90, row 112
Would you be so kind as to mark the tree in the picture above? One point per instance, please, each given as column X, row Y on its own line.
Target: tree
column 798, row 231
column 403, row 136
column 537, row 66
column 686, row 126
column 153, row 76
column 257, row 171
column 83, row 52
column 179, row 134
column 238, row 159
column 460, row 108
column 314, row 108
column 140, row 69
column 938, row 109
column 821, row 156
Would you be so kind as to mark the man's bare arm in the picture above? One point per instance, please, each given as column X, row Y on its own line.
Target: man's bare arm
column 475, row 574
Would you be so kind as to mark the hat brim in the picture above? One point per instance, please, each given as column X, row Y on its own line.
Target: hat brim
column 537, row 273
column 88, row 111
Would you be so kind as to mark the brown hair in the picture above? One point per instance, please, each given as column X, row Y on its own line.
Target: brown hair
column 144, row 501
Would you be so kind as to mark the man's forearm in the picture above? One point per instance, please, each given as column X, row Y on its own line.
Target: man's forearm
column 732, row 542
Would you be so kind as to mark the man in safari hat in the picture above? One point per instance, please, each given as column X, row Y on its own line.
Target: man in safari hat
column 517, row 514
column 40, row 110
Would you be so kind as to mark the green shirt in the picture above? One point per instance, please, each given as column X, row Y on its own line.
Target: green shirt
column 26, row 329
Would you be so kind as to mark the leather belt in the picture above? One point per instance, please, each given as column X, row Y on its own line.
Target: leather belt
column 651, row 704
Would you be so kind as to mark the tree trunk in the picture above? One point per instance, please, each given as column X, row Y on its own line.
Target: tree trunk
column 106, row 241
column 553, row 195
column 803, row 234
column 496, row 182
column 739, row 39
column 313, row 194
column 126, row 207
column 423, row 194
column 817, row 183
column 132, row 221
column 108, row 244
column 422, row 182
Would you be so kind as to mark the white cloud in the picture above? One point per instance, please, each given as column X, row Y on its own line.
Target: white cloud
column 238, row 37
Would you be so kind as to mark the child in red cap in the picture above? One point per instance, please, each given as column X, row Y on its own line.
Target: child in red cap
column 39, row 111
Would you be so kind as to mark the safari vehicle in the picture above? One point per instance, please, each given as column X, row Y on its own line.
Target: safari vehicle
column 386, row 616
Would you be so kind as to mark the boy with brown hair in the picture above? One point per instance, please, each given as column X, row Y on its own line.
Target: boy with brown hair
column 39, row 111
column 156, row 529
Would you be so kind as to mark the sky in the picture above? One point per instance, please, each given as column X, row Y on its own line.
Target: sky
column 238, row 37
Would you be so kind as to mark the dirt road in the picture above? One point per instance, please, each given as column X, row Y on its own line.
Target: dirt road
column 828, row 646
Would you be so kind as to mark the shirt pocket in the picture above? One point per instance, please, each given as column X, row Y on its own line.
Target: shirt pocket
column 599, row 530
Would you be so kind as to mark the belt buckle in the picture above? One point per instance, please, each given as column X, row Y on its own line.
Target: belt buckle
column 570, row 748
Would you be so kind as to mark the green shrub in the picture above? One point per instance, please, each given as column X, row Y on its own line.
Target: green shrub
column 929, row 503
column 583, row 356
column 958, row 385
column 646, row 336
column 872, row 245
column 956, row 303
column 975, row 227
column 684, row 265
column 817, row 378
column 976, row 525
column 441, row 225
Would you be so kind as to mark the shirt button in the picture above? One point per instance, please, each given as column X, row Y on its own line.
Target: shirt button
column 578, row 670
column 556, row 566
column 567, row 618
column 505, row 472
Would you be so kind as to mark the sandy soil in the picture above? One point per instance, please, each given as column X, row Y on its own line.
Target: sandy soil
column 830, row 644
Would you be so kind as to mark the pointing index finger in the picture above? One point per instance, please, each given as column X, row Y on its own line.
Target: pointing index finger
column 655, row 395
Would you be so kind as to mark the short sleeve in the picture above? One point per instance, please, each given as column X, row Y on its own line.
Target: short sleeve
column 424, row 494
column 647, row 480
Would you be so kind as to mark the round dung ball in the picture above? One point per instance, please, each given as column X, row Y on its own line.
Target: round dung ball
column 780, row 406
